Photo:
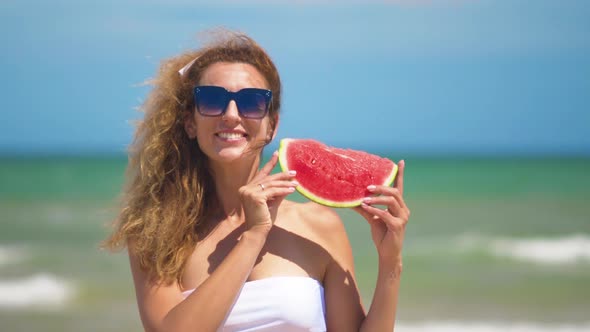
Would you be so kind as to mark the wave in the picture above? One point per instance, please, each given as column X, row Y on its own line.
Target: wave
column 489, row 327
column 574, row 248
column 38, row 291
column 569, row 249
column 11, row 254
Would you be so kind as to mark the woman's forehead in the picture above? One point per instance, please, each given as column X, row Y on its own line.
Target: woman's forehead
column 233, row 76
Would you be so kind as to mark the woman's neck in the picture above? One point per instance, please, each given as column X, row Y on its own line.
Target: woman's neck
column 228, row 179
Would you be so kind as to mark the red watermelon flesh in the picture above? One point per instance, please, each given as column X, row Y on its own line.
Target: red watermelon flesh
column 332, row 176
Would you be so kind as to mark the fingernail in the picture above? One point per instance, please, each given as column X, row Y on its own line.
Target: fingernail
column 364, row 205
column 367, row 200
column 275, row 153
column 295, row 183
column 292, row 172
column 371, row 188
column 291, row 188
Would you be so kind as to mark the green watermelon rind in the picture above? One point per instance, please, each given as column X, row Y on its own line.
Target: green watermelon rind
column 303, row 191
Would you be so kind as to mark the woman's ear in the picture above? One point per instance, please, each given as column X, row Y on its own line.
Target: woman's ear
column 190, row 127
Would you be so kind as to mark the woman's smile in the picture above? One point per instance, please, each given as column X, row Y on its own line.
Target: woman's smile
column 231, row 136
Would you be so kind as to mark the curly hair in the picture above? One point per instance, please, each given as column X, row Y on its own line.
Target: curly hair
column 170, row 192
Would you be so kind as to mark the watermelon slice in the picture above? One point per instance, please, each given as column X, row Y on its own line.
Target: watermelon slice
column 332, row 176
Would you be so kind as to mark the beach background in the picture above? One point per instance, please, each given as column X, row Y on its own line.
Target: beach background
column 487, row 101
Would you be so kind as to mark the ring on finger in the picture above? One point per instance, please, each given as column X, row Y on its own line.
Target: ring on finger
column 261, row 186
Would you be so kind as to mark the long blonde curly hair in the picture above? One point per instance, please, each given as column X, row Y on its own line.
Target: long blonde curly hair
column 170, row 193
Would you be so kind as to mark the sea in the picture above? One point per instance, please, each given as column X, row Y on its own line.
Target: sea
column 493, row 244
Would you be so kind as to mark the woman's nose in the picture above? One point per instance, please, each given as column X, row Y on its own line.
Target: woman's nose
column 231, row 114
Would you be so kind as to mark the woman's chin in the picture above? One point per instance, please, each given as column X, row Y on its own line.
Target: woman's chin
column 231, row 155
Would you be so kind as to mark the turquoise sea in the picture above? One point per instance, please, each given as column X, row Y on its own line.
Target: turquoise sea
column 497, row 244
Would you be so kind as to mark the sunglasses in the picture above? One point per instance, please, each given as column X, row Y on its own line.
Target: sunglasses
column 252, row 103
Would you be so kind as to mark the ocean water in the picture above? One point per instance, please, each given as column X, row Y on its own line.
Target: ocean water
column 492, row 245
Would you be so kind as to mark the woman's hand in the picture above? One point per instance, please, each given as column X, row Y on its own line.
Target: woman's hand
column 387, row 225
column 263, row 195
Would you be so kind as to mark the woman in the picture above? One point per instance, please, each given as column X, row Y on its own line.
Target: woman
column 212, row 241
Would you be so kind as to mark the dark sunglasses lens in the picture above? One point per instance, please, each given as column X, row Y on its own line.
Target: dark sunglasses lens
column 211, row 101
column 252, row 104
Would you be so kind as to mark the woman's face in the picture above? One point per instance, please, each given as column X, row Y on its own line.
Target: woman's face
column 225, row 138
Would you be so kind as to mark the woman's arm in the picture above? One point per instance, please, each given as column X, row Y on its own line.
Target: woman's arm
column 162, row 307
column 381, row 316
column 387, row 230
column 343, row 305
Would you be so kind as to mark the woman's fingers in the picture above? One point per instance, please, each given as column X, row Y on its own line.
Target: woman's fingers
column 262, row 196
column 380, row 213
column 374, row 221
column 388, row 191
column 274, row 188
column 279, row 180
column 268, row 167
column 268, row 185
column 391, row 202
column 390, row 221
column 370, row 218
column 278, row 183
column 376, row 225
column 390, row 197
column 263, row 176
column 276, row 192
column 290, row 175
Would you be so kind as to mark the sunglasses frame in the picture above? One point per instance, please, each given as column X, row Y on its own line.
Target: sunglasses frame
column 235, row 96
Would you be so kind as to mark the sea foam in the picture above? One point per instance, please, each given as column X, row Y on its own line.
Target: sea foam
column 11, row 254
column 569, row 249
column 37, row 291
column 458, row 326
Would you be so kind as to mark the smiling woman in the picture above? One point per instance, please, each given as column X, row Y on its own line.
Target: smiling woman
column 243, row 123
column 211, row 238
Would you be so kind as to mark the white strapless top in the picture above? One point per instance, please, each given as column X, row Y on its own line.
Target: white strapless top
column 288, row 304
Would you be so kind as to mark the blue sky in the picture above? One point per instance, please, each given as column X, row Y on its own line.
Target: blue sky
column 414, row 77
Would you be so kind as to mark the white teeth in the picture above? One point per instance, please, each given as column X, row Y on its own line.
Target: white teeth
column 230, row 135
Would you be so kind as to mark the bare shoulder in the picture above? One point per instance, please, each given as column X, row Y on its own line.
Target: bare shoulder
column 320, row 222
